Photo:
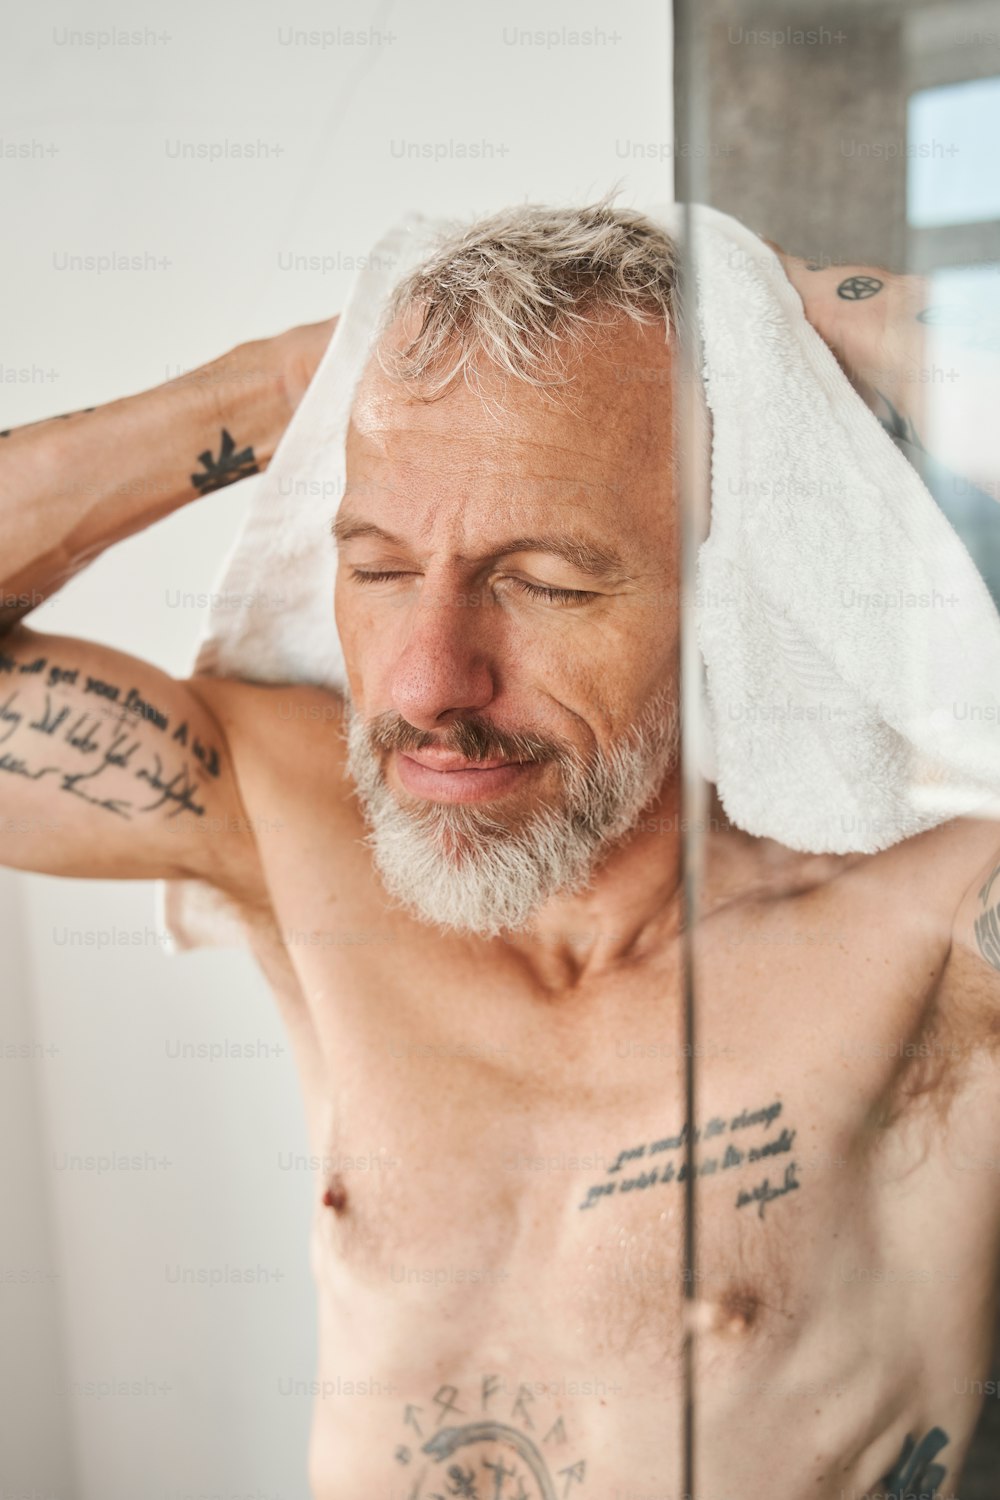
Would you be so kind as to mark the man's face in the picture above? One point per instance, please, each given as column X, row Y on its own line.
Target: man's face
column 506, row 601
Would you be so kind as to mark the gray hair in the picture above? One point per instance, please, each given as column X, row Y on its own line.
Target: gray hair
column 523, row 286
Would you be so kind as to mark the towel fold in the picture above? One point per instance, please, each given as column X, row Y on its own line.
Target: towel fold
column 851, row 648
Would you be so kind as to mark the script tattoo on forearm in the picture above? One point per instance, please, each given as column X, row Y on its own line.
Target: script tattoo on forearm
column 500, row 1443
column 103, row 739
column 226, row 469
column 915, row 1473
column 987, row 926
column 735, row 1146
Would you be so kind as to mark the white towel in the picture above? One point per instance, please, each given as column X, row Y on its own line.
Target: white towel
column 851, row 649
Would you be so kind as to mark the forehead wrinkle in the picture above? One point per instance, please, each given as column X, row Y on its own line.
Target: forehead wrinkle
column 382, row 414
column 377, row 440
column 404, row 474
column 521, row 486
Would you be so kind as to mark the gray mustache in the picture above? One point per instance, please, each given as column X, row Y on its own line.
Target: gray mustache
column 469, row 737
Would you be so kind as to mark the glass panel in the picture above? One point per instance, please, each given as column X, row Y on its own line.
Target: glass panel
column 844, row 987
column 953, row 176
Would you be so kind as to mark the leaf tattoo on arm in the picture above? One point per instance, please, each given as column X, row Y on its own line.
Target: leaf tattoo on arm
column 226, row 469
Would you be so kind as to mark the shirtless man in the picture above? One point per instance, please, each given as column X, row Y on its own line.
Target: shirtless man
column 507, row 605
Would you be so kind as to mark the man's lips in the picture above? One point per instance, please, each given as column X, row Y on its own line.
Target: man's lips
column 445, row 776
column 436, row 758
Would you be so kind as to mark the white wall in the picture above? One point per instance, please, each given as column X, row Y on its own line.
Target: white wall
column 35, row 1431
column 561, row 122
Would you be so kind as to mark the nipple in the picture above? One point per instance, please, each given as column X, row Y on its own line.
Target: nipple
column 335, row 1196
column 737, row 1310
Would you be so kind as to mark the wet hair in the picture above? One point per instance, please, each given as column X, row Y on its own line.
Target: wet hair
column 525, row 288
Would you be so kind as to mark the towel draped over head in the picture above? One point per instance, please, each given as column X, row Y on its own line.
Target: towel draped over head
column 851, row 649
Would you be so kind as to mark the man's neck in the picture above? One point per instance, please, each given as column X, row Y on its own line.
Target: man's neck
column 631, row 910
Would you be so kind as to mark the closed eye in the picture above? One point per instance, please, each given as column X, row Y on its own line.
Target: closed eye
column 533, row 590
column 554, row 596
column 379, row 577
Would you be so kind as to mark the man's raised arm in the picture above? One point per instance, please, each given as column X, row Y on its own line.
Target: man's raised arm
column 73, row 485
column 109, row 767
column 929, row 368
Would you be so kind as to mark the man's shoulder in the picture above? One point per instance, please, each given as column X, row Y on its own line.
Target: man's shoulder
column 927, row 881
column 940, row 867
column 255, row 714
column 927, row 907
column 280, row 733
column 948, row 879
column 287, row 744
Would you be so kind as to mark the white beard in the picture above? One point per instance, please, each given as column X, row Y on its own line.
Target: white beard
column 460, row 867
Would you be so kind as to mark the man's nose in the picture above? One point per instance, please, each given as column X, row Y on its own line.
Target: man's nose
column 445, row 665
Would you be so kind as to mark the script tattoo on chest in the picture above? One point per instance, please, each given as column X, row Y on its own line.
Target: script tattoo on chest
column 498, row 1442
column 84, row 748
column 743, row 1144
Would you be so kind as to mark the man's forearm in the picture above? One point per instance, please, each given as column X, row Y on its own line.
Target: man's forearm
column 71, row 486
column 930, row 372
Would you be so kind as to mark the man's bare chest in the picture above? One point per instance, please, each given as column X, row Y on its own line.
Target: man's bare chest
column 492, row 1156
